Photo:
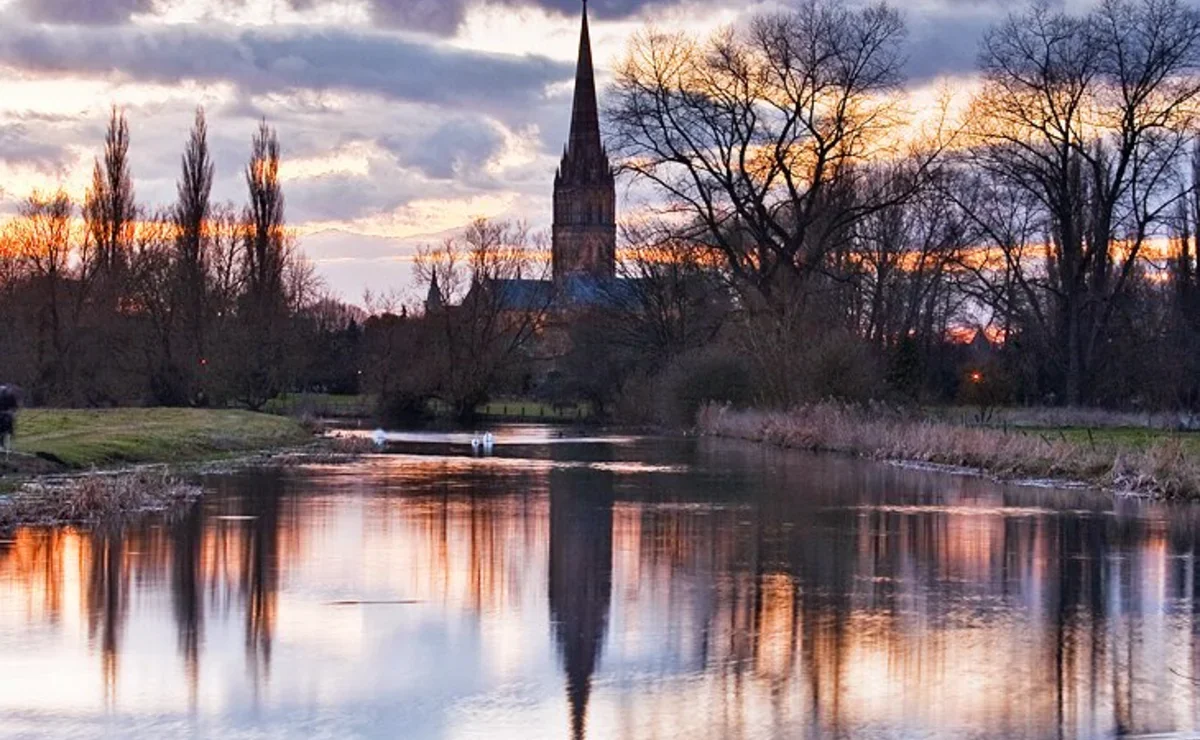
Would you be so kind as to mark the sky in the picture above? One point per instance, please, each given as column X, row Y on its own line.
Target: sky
column 400, row 120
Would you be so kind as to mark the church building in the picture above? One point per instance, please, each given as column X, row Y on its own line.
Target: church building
column 585, row 196
column 584, row 234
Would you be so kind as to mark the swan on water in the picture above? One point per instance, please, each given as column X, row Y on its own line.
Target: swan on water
column 485, row 442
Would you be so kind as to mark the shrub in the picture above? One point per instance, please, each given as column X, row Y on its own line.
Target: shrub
column 839, row 365
column 401, row 407
column 637, row 401
column 699, row 378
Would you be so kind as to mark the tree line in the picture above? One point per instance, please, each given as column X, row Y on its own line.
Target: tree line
column 109, row 302
column 809, row 234
column 812, row 235
column 1056, row 212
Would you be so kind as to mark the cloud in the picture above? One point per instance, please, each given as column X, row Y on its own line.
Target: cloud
column 458, row 145
column 19, row 147
column 387, row 132
column 342, row 197
column 444, row 17
column 263, row 61
column 946, row 44
column 83, row 12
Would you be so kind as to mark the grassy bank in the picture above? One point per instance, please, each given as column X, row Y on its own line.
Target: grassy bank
column 1156, row 463
column 327, row 406
column 323, row 405
column 86, row 438
column 51, row 442
column 529, row 410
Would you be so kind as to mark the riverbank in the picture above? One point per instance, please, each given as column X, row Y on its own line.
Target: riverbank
column 90, row 465
column 58, row 440
column 1164, row 465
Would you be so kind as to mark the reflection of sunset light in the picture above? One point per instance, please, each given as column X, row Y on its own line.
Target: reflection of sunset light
column 777, row 626
column 933, row 613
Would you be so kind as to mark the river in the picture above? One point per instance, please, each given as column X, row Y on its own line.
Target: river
column 608, row 587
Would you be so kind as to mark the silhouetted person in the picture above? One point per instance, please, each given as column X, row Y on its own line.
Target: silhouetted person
column 9, row 401
column 580, row 578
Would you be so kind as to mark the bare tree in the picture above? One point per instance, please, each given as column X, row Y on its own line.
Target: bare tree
column 1088, row 115
column 157, row 307
column 901, row 268
column 671, row 298
column 193, row 236
column 761, row 141
column 45, row 240
column 226, row 264
column 138, row 298
column 494, row 277
column 265, row 237
column 261, row 363
column 109, row 206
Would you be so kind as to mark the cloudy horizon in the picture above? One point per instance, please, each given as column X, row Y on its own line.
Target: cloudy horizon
column 400, row 120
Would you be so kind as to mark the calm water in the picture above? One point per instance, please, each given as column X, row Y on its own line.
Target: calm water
column 608, row 588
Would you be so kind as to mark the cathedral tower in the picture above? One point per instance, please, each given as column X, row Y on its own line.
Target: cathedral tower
column 585, row 197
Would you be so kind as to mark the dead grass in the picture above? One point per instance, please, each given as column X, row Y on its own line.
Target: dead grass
column 1165, row 467
column 93, row 498
column 345, row 444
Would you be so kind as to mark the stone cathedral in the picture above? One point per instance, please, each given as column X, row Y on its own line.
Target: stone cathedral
column 584, row 235
column 585, row 196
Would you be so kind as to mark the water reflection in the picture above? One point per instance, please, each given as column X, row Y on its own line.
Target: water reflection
column 705, row 591
column 580, row 589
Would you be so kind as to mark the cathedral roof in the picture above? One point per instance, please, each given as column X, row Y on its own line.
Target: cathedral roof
column 576, row 291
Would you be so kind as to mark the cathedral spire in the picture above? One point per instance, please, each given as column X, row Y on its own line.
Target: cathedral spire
column 434, row 301
column 585, row 221
column 585, row 117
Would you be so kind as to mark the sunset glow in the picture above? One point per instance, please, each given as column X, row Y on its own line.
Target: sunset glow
column 367, row 154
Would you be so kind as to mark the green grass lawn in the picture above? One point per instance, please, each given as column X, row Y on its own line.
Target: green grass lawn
column 1085, row 426
column 363, row 407
column 516, row 408
column 323, row 405
column 84, row 438
column 1131, row 437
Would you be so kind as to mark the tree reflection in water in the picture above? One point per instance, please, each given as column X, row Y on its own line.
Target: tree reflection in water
column 750, row 593
column 187, row 595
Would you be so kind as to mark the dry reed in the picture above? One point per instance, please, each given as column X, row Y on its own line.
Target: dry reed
column 93, row 498
column 1164, row 468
